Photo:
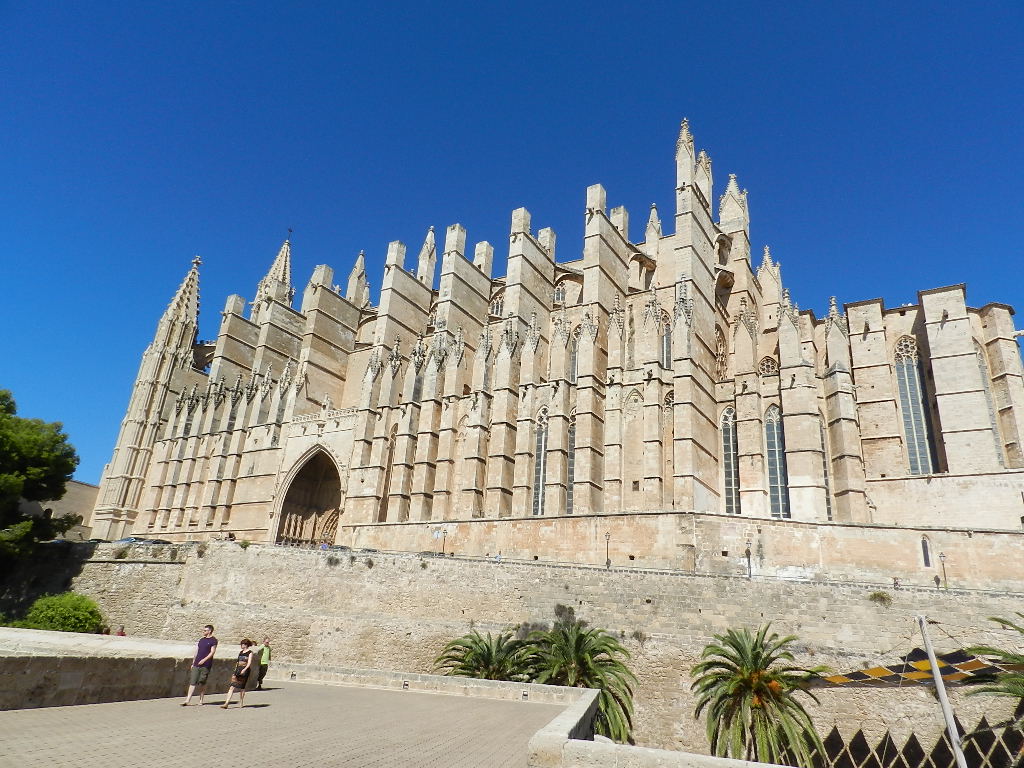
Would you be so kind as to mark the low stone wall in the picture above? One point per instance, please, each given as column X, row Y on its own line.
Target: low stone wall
column 56, row 669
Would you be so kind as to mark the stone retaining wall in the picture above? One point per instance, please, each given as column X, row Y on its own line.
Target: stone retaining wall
column 396, row 611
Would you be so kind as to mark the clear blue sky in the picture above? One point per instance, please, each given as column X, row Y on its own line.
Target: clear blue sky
column 881, row 144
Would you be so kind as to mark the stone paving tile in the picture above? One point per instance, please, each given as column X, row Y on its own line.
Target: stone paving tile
column 289, row 724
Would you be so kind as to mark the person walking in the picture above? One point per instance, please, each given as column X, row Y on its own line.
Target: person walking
column 243, row 666
column 264, row 662
column 201, row 665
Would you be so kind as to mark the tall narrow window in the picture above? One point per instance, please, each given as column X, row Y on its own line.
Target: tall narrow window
column 730, row 462
column 666, row 342
column 986, row 384
column 382, row 506
column 559, row 294
column 540, row 462
column 570, row 463
column 824, row 469
column 778, row 476
column 574, row 355
column 498, row 305
column 913, row 408
column 926, row 555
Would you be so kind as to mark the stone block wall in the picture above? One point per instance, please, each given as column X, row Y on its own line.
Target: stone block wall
column 387, row 611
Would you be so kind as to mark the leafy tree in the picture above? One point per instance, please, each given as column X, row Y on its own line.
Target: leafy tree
column 1009, row 683
column 66, row 612
column 489, row 657
column 572, row 654
column 747, row 691
column 36, row 461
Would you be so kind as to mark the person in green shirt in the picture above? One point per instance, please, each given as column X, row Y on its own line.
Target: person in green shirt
column 264, row 662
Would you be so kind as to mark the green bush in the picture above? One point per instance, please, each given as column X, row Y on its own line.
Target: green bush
column 67, row 612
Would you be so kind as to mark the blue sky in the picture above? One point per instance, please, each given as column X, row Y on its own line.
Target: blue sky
column 880, row 144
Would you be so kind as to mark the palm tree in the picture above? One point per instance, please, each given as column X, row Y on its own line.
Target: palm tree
column 571, row 654
column 1010, row 683
column 486, row 657
column 747, row 691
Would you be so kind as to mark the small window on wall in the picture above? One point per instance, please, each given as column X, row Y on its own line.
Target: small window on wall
column 926, row 554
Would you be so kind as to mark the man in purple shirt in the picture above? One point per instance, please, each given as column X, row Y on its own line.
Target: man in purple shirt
column 201, row 665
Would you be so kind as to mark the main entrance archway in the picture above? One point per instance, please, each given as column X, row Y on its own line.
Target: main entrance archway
column 312, row 505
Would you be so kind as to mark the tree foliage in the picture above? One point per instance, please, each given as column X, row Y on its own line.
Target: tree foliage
column 66, row 612
column 747, row 691
column 1009, row 683
column 570, row 654
column 486, row 657
column 36, row 461
column 574, row 655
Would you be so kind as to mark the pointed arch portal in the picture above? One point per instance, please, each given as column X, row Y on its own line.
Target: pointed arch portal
column 312, row 504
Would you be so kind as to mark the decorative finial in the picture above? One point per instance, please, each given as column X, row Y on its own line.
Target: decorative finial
column 833, row 307
column 767, row 261
column 196, row 261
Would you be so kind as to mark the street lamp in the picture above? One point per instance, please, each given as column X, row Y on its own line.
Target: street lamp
column 607, row 552
column 942, row 559
column 750, row 571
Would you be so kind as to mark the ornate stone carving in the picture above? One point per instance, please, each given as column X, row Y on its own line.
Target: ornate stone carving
column 457, row 349
column 374, row 365
column 684, row 302
column 652, row 309
column 395, row 356
column 589, row 326
column 617, row 317
column 509, row 336
column 439, row 349
column 532, row 340
column 418, row 354
column 768, row 366
column 721, row 356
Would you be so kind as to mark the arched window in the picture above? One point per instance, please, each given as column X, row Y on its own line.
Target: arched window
column 559, row 294
column 926, row 552
column 824, row 469
column 574, row 355
column 666, row 342
column 540, row 462
column 721, row 356
column 913, row 408
column 778, row 476
column 498, row 305
column 986, row 384
column 570, row 463
column 730, row 462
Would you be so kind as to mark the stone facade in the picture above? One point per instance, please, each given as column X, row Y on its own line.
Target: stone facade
column 668, row 378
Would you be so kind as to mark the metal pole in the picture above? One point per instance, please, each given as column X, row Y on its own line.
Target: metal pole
column 940, row 690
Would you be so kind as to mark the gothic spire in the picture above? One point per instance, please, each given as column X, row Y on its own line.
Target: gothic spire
column 732, row 207
column 653, row 224
column 357, row 290
column 427, row 259
column 184, row 306
column 685, row 139
column 277, row 284
column 767, row 260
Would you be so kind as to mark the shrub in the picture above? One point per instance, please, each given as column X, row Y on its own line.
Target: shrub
column 201, row 549
column 66, row 612
column 881, row 598
column 244, row 544
column 121, row 553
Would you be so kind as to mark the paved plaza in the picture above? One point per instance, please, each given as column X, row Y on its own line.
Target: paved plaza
column 287, row 725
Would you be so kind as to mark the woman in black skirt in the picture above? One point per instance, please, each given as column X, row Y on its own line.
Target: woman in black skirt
column 241, row 674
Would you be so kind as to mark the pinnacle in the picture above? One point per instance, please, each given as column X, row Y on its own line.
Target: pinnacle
column 653, row 221
column 732, row 188
column 767, row 261
column 685, row 137
column 833, row 307
column 184, row 306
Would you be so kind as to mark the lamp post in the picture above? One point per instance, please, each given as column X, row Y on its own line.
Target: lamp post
column 942, row 559
column 750, row 570
column 607, row 551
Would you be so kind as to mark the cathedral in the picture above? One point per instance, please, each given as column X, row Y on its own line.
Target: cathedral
column 662, row 403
